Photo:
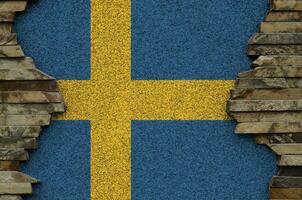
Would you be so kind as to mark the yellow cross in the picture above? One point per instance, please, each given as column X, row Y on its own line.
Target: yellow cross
column 111, row 99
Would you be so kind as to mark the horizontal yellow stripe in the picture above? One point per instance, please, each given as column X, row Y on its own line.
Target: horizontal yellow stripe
column 146, row 100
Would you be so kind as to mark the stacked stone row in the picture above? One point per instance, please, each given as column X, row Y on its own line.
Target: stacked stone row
column 267, row 100
column 28, row 98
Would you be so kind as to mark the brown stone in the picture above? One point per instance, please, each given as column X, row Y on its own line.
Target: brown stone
column 13, row 154
column 286, row 182
column 286, row 5
column 7, row 16
column 13, row 6
column 286, row 193
column 46, row 86
column 290, row 160
column 283, row 149
column 15, row 188
column 10, row 197
column 25, row 120
column 276, row 38
column 272, row 72
column 266, row 116
column 31, row 109
column 16, row 177
column 8, row 39
column 268, row 127
column 272, row 83
column 11, row 51
column 25, row 143
column 258, row 50
column 30, row 97
column 20, row 131
column 264, row 105
column 280, row 138
column 279, row 60
column 281, row 27
column 23, row 74
column 290, row 171
column 6, row 28
column 9, row 166
column 284, row 17
column 267, row 94
column 8, row 63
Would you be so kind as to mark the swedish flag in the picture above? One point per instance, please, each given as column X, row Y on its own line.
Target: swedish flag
column 145, row 82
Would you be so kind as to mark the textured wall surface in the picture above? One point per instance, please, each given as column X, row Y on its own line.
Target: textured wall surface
column 170, row 40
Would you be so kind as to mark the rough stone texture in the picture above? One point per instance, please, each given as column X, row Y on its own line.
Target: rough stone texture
column 267, row 94
column 28, row 98
column 15, row 188
column 267, row 100
column 257, row 50
column 261, row 116
column 281, row 27
column 285, row 193
column 13, row 154
column 284, row 17
column 273, row 60
column 12, row 6
column 251, row 83
column 264, row 105
column 268, row 127
column 286, row 5
column 291, row 160
column 276, row 38
column 10, row 197
column 283, row 149
column 9, row 166
column 286, row 182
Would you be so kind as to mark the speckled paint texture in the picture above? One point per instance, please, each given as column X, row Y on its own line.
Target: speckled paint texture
column 198, row 57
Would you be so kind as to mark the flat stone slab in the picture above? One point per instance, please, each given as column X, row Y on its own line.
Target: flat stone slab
column 9, row 165
column 286, row 182
column 294, row 171
column 286, row 5
column 258, row 50
column 23, row 74
column 283, row 149
column 264, row 105
column 8, row 39
column 30, row 97
column 25, row 120
column 272, row 83
column 268, row 127
column 20, row 131
column 13, row 154
column 26, row 62
column 288, row 138
column 25, row 143
column 11, row 51
column 276, row 38
column 12, row 6
column 290, row 160
column 31, row 109
column 7, row 16
column 267, row 94
column 10, row 197
column 16, row 177
column 46, row 86
column 6, row 28
column 280, row 60
column 15, row 188
column 272, row 72
column 265, row 116
column 284, row 17
column 281, row 27
column 285, row 193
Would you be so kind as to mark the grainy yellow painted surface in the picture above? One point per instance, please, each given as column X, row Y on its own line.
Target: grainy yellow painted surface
column 111, row 100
